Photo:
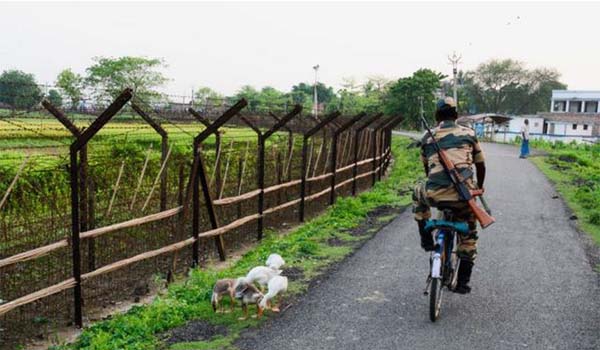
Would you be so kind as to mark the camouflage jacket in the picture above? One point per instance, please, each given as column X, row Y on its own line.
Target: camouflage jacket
column 462, row 148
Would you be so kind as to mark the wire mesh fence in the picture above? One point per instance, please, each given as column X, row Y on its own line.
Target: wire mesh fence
column 101, row 210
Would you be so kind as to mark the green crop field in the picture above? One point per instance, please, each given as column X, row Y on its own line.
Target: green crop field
column 46, row 137
column 124, row 143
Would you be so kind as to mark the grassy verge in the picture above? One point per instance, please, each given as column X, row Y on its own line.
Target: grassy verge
column 575, row 170
column 305, row 248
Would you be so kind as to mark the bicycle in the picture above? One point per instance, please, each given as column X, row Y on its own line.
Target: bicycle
column 444, row 261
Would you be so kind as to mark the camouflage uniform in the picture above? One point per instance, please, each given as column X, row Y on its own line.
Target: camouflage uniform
column 463, row 150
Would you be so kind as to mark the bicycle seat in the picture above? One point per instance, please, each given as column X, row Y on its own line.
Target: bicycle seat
column 461, row 227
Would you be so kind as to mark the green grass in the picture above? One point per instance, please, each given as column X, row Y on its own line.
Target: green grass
column 305, row 247
column 218, row 342
column 575, row 170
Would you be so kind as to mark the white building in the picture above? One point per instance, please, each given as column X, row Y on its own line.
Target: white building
column 574, row 116
column 575, row 101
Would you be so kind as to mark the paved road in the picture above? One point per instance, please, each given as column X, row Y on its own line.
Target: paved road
column 533, row 287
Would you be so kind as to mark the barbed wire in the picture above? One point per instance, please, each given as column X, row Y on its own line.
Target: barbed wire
column 31, row 130
column 96, row 94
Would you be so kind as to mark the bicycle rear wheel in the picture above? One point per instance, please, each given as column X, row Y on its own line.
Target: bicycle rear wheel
column 455, row 266
column 435, row 299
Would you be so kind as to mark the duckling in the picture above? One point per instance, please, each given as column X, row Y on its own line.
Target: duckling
column 248, row 294
column 223, row 287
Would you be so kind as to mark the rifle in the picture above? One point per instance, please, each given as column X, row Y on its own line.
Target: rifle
column 464, row 193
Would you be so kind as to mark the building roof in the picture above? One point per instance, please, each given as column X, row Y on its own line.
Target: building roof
column 577, row 118
column 575, row 94
column 485, row 117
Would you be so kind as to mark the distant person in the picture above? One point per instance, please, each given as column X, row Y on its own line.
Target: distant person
column 525, row 139
column 479, row 130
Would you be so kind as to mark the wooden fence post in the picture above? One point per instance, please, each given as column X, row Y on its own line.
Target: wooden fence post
column 91, row 225
column 196, row 208
column 199, row 172
column 181, row 184
column 239, row 185
column 262, row 138
column 308, row 135
column 80, row 142
column 75, row 252
column 279, row 169
column 374, row 155
column 388, row 141
column 334, row 157
column 359, row 131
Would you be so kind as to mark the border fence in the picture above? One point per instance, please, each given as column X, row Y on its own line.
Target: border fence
column 203, row 199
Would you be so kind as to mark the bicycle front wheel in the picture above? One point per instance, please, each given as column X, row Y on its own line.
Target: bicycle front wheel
column 435, row 299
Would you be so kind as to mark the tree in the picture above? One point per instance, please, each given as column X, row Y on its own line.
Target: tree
column 265, row 100
column 303, row 94
column 209, row 97
column 506, row 86
column 72, row 85
column 353, row 102
column 271, row 99
column 109, row 76
column 250, row 94
column 19, row 90
column 403, row 96
column 377, row 83
column 465, row 104
column 55, row 98
column 535, row 94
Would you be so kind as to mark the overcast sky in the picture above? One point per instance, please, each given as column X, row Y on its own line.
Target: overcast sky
column 227, row 45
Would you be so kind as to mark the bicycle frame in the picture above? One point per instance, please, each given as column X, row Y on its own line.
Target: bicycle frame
column 444, row 261
column 444, row 245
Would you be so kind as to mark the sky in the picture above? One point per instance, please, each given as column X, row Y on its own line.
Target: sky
column 227, row 45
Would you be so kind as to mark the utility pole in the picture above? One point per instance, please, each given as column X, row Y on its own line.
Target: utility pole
column 454, row 60
column 316, row 101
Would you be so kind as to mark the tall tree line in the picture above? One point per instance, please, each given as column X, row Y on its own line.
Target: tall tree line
column 501, row 86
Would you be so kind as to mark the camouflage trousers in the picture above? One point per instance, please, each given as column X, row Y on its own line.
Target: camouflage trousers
column 467, row 244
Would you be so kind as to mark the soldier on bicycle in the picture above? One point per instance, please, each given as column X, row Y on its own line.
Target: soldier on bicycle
column 463, row 149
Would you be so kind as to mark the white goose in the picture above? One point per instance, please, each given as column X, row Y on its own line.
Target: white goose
column 277, row 285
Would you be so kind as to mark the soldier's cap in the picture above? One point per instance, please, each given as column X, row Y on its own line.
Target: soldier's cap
column 447, row 102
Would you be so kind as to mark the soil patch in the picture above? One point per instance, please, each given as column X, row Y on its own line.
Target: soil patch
column 371, row 220
column 568, row 158
column 580, row 182
column 335, row 242
column 293, row 273
column 194, row 331
column 559, row 167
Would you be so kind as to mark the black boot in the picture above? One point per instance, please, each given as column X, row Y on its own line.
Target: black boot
column 426, row 239
column 464, row 276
